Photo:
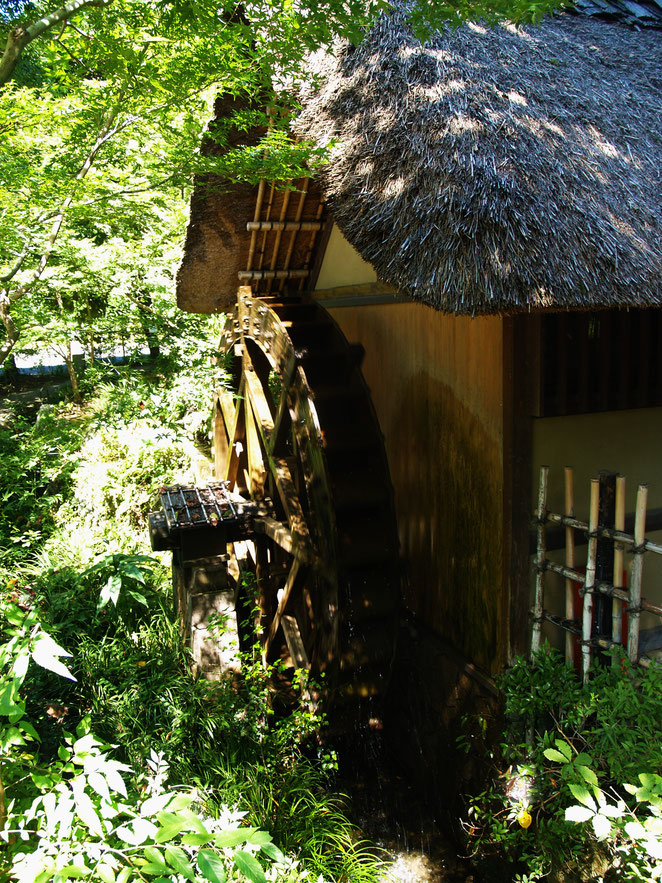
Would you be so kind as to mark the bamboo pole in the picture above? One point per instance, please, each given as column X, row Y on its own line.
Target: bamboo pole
column 313, row 236
column 570, row 561
column 603, row 588
column 634, row 610
column 272, row 274
column 589, row 581
column 293, row 235
column 619, row 549
column 604, row 532
column 256, row 218
column 284, row 226
column 540, row 562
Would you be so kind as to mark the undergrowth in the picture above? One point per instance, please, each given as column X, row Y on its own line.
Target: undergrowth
column 576, row 786
column 74, row 553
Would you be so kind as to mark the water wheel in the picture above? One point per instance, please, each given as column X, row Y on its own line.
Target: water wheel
column 298, row 432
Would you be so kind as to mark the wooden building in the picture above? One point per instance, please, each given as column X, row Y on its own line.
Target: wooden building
column 489, row 229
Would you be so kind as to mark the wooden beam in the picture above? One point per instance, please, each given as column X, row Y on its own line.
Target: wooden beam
column 283, row 225
column 256, row 469
column 295, row 643
column 282, row 606
column 258, row 275
column 258, row 399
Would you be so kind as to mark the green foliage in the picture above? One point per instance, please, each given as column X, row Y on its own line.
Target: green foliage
column 244, row 799
column 561, row 800
column 37, row 461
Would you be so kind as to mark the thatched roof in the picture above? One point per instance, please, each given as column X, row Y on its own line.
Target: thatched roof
column 215, row 242
column 499, row 170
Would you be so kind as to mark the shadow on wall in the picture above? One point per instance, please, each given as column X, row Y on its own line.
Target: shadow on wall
column 446, row 470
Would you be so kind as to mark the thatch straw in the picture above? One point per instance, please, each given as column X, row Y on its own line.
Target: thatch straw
column 499, row 170
column 216, row 239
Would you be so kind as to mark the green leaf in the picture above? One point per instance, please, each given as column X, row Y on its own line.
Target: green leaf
column 137, row 596
column 556, row 756
column 153, row 869
column 211, row 866
column 587, row 774
column 582, row 795
column 196, row 839
column 647, row 779
column 105, row 873
column 130, row 569
column 155, row 856
column 564, row 748
column 14, row 614
column 249, row 866
column 274, row 853
column 110, row 592
column 75, row 871
column 583, row 759
column 178, row 860
column 234, row 837
column 7, row 704
column 171, row 825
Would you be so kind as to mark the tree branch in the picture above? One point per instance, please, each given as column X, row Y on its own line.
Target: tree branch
column 20, row 37
column 107, row 131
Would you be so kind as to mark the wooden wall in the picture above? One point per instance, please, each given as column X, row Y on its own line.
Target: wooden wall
column 437, row 387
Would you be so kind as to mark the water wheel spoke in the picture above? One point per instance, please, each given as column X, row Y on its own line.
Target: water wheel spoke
column 257, row 473
column 295, row 571
column 282, row 536
column 237, row 445
column 280, row 423
column 290, row 499
column 227, row 409
column 258, row 399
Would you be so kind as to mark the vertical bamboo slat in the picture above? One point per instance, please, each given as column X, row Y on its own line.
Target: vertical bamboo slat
column 617, row 604
column 589, row 582
column 540, row 561
column 569, row 560
column 634, row 611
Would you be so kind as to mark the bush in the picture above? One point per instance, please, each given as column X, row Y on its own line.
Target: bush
column 575, row 791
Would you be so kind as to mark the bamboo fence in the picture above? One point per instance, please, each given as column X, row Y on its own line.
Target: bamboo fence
column 591, row 585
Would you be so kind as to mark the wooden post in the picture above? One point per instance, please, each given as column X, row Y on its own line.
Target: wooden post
column 589, row 581
column 617, row 604
column 604, row 559
column 634, row 610
column 570, row 562
column 540, row 562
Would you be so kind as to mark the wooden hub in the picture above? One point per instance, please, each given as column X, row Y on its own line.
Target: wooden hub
column 298, row 430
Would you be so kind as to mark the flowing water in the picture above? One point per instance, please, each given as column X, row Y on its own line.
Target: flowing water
column 393, row 815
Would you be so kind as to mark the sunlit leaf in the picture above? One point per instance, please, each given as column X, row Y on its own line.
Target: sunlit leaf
column 211, row 866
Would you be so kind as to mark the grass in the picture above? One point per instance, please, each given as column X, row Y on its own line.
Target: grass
column 81, row 482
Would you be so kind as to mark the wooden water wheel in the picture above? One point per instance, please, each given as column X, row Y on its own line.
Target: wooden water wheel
column 298, row 432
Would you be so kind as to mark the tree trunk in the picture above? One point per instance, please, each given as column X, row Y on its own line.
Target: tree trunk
column 68, row 358
column 11, row 329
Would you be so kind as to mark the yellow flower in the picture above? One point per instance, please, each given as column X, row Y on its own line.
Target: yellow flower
column 141, row 663
column 524, row 818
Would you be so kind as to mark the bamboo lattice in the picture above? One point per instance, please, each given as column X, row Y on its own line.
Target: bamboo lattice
column 591, row 585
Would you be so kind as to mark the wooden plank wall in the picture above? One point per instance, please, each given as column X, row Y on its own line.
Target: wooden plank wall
column 437, row 387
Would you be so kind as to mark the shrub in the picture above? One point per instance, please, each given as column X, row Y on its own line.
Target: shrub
column 575, row 792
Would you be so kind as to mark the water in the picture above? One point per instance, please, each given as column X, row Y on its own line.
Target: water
column 392, row 814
